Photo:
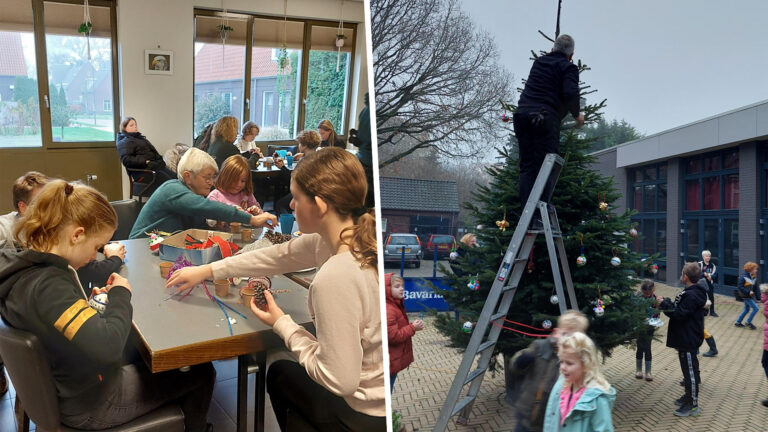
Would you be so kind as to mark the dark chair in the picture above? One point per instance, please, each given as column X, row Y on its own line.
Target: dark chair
column 141, row 182
column 127, row 212
column 29, row 369
column 272, row 148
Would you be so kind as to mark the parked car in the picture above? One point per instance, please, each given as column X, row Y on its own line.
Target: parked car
column 393, row 249
column 444, row 243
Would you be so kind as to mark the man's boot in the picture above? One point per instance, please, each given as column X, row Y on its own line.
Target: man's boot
column 712, row 347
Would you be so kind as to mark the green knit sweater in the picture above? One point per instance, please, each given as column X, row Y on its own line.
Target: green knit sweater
column 173, row 207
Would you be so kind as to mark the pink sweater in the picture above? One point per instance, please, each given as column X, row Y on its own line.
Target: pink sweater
column 233, row 200
column 568, row 401
column 346, row 357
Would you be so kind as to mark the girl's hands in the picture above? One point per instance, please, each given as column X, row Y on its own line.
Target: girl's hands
column 271, row 311
column 115, row 280
column 254, row 210
column 188, row 277
column 114, row 249
column 418, row 324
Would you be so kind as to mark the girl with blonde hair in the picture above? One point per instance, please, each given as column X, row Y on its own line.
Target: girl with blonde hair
column 328, row 135
column 41, row 294
column 338, row 382
column 581, row 399
column 224, row 136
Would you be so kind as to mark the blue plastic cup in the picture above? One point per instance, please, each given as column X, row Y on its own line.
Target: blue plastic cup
column 286, row 223
column 289, row 160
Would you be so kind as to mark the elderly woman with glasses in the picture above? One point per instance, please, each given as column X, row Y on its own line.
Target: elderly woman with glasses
column 181, row 204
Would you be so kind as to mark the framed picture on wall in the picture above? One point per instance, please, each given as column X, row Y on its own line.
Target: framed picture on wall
column 158, row 62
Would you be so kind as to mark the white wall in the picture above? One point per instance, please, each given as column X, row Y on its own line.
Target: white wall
column 163, row 105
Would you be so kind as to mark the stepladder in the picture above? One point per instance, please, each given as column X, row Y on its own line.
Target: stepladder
column 478, row 354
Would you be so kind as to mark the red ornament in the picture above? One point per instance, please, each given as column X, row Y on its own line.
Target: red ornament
column 506, row 118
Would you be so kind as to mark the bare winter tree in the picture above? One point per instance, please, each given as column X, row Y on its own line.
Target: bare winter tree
column 437, row 80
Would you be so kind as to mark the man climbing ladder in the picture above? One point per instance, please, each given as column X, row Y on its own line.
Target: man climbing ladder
column 551, row 91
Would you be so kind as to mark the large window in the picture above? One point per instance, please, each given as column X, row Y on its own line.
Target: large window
column 712, row 181
column 70, row 74
column 275, row 77
column 328, row 77
column 294, row 81
column 219, row 64
column 648, row 189
column 710, row 215
column 19, row 98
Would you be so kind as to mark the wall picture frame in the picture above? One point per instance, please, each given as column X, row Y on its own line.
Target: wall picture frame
column 157, row 62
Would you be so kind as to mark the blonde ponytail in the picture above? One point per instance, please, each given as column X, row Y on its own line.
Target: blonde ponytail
column 60, row 204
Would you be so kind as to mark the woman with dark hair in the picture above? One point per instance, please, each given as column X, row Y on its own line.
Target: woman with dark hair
column 328, row 135
column 336, row 379
column 136, row 152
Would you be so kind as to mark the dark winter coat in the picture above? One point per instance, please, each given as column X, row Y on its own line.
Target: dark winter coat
column 220, row 149
column 399, row 331
column 686, row 320
column 534, row 371
column 40, row 294
column 135, row 150
column 552, row 86
column 746, row 285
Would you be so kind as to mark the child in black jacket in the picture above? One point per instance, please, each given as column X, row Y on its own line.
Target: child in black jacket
column 40, row 293
column 686, row 334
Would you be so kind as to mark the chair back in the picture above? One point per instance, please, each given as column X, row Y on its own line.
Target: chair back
column 30, row 371
column 141, row 182
column 271, row 149
column 127, row 213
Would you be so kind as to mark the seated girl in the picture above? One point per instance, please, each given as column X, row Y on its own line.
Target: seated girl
column 308, row 141
column 247, row 144
column 180, row 204
column 328, row 135
column 337, row 379
column 41, row 294
column 234, row 186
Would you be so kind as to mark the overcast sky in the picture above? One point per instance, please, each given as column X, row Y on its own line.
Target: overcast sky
column 660, row 63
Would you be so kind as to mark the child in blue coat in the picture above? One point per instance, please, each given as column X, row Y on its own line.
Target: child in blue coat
column 581, row 400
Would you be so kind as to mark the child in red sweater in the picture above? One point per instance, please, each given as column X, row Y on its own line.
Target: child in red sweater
column 399, row 330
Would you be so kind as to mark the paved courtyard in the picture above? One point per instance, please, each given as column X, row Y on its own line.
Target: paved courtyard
column 733, row 382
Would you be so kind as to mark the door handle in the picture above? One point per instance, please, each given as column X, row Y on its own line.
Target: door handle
column 45, row 98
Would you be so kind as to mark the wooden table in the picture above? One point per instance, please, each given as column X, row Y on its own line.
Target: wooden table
column 176, row 333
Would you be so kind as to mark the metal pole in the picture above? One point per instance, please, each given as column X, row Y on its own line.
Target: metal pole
column 402, row 261
column 434, row 263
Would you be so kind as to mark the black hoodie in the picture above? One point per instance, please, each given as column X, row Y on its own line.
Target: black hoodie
column 40, row 294
column 686, row 321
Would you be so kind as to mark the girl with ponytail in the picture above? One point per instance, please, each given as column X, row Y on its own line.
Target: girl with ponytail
column 40, row 293
column 337, row 379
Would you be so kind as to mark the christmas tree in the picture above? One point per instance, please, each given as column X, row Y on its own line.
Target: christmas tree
column 583, row 199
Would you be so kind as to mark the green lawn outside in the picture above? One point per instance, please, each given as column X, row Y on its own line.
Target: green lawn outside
column 81, row 134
